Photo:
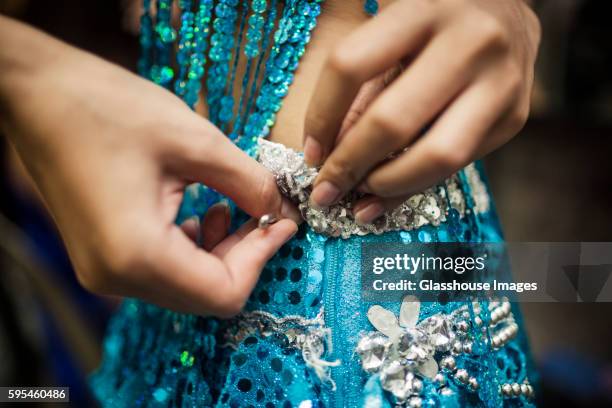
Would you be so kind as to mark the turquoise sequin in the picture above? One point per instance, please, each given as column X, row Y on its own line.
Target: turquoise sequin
column 157, row 358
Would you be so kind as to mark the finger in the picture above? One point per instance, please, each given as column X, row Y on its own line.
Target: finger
column 231, row 240
column 247, row 258
column 368, row 209
column 450, row 144
column 188, row 279
column 376, row 46
column 217, row 162
column 191, row 228
column 366, row 95
column 215, row 225
column 396, row 117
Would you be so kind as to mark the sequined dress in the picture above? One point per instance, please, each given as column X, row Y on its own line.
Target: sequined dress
column 306, row 337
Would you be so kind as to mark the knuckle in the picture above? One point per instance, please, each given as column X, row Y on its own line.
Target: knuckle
column 269, row 196
column 387, row 124
column 341, row 60
column 491, row 32
column 342, row 168
column 514, row 81
column 518, row 117
column 448, row 157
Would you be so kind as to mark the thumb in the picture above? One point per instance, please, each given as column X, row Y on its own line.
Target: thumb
column 221, row 165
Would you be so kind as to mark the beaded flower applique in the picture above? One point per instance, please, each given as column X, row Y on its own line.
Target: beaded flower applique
column 403, row 352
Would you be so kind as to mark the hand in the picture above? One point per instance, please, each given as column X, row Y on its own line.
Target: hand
column 111, row 154
column 468, row 72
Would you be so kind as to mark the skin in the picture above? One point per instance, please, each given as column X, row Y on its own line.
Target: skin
column 462, row 67
column 111, row 168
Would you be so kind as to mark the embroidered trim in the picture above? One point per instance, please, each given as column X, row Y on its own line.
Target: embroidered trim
column 310, row 336
column 295, row 179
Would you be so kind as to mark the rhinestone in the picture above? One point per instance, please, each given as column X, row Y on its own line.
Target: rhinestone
column 372, row 350
column 414, row 346
column 440, row 333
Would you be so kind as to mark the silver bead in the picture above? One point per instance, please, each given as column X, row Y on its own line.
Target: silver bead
column 462, row 375
column 473, row 382
column 494, row 316
column 448, row 363
column 506, row 389
column 446, row 392
column 495, row 341
column 457, row 347
column 478, row 321
column 516, row 389
column 462, row 326
column 467, row 347
column 524, row 389
column 266, row 220
column 530, row 392
column 415, row 402
column 372, row 349
column 417, row 386
column 440, row 379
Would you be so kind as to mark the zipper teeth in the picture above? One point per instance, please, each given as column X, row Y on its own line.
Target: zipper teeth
column 332, row 275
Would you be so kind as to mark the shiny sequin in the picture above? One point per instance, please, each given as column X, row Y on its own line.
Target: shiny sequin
column 430, row 207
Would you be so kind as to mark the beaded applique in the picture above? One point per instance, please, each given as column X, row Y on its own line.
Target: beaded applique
column 295, row 180
column 403, row 352
column 310, row 336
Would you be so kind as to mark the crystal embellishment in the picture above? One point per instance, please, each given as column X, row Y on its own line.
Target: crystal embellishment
column 295, row 180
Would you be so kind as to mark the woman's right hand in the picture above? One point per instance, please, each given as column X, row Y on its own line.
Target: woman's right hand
column 111, row 154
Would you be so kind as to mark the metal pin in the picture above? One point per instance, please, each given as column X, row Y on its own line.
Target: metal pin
column 266, row 220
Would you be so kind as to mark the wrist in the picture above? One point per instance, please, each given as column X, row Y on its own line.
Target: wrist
column 24, row 54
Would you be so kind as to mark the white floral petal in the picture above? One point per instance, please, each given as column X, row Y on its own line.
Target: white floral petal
column 383, row 320
column 409, row 311
column 429, row 368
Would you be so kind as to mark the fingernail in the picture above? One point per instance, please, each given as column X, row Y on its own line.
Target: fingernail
column 324, row 194
column 313, row 151
column 288, row 210
column 369, row 213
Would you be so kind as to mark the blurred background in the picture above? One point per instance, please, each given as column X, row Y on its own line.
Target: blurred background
column 551, row 183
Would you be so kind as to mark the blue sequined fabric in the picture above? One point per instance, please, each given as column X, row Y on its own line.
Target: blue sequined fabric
column 300, row 340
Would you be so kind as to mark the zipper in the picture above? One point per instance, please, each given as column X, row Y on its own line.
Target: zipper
column 332, row 275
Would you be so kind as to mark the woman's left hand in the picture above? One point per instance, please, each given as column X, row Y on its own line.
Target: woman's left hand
column 468, row 72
